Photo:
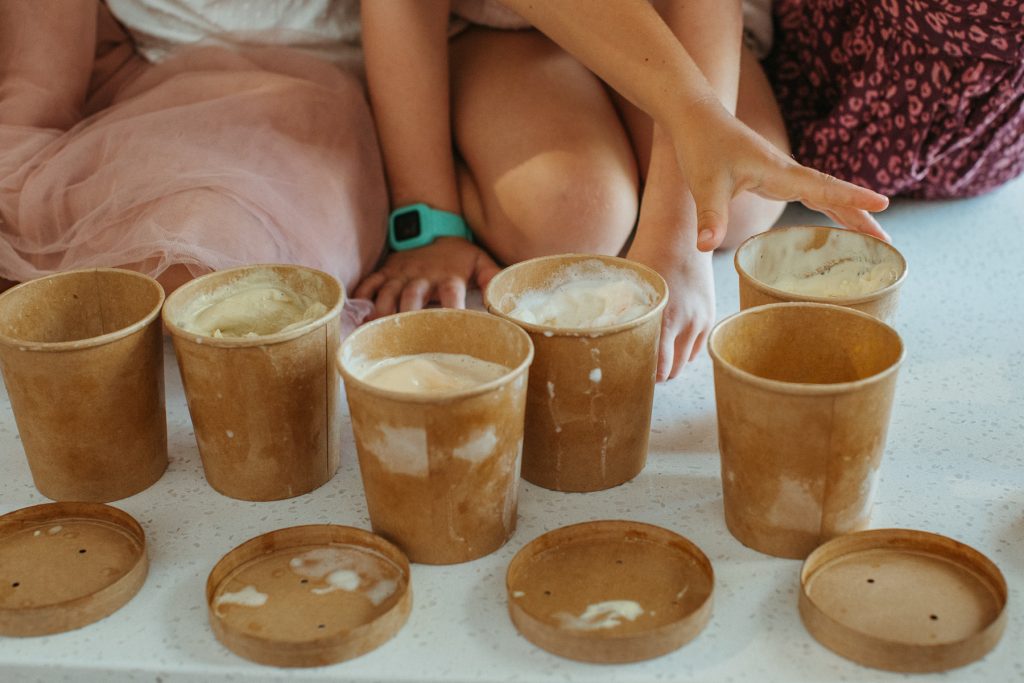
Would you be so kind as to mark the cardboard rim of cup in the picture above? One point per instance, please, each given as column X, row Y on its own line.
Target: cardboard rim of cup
column 931, row 576
column 89, row 342
column 554, row 331
column 844, row 301
column 333, row 646
column 96, row 591
column 440, row 397
column 182, row 295
column 603, row 645
column 800, row 387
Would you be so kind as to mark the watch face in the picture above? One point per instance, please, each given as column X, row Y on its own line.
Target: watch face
column 407, row 226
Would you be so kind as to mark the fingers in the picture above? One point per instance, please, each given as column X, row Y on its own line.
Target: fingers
column 369, row 286
column 697, row 346
column 712, row 198
column 387, row 298
column 451, row 293
column 685, row 352
column 415, row 294
column 859, row 220
column 666, row 353
column 486, row 269
column 828, row 192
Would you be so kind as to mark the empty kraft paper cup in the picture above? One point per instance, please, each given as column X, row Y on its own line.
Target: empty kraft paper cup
column 804, row 392
column 820, row 265
column 591, row 390
column 82, row 357
column 440, row 470
column 265, row 406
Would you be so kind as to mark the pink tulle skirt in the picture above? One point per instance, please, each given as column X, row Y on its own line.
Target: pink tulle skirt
column 209, row 160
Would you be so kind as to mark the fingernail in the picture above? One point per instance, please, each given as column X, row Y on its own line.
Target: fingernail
column 705, row 235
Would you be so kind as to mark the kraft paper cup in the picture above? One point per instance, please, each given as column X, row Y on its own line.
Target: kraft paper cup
column 767, row 263
column 588, row 408
column 804, row 392
column 82, row 357
column 441, row 471
column 266, row 409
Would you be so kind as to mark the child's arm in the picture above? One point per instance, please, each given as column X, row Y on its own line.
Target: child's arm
column 405, row 43
column 666, row 236
column 628, row 45
column 46, row 55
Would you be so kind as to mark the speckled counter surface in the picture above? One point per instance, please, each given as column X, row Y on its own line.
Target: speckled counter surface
column 954, row 465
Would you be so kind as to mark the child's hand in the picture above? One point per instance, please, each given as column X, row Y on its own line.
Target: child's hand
column 721, row 157
column 439, row 272
column 690, row 312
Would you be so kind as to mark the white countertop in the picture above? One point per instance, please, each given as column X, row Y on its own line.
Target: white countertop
column 954, row 464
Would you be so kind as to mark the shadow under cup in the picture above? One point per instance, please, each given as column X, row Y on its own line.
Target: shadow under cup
column 804, row 392
column 82, row 358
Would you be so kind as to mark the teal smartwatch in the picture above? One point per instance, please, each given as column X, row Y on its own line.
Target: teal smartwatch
column 418, row 225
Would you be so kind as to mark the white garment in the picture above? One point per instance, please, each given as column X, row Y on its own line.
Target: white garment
column 327, row 29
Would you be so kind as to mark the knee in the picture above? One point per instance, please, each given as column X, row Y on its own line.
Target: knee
column 558, row 203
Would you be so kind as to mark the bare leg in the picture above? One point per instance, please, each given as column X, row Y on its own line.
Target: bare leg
column 547, row 167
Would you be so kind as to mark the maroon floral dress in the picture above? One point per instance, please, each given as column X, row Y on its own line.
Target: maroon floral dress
column 921, row 98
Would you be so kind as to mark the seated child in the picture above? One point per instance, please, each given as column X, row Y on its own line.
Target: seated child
column 546, row 160
column 213, row 136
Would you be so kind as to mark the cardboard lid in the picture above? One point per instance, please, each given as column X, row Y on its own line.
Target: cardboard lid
column 610, row 591
column 903, row 600
column 309, row 595
column 65, row 565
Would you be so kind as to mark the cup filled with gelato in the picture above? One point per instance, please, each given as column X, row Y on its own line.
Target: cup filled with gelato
column 823, row 265
column 437, row 400
column 254, row 346
column 595, row 322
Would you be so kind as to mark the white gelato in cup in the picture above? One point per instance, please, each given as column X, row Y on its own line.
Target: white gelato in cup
column 584, row 295
column 587, row 295
column 821, row 265
column 259, row 303
column 429, row 373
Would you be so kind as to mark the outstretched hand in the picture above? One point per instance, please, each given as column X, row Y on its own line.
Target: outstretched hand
column 439, row 272
column 721, row 157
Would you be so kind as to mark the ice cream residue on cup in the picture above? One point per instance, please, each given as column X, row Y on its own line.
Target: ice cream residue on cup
column 586, row 295
column 428, row 373
column 258, row 304
column 846, row 265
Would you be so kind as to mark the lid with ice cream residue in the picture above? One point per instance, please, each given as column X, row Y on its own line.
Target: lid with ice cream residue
column 610, row 591
column 309, row 595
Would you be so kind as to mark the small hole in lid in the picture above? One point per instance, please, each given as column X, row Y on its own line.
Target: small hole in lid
column 304, row 581
column 934, row 617
column 81, row 551
column 618, row 561
column 547, row 592
column 322, row 626
column 15, row 584
column 871, row 580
